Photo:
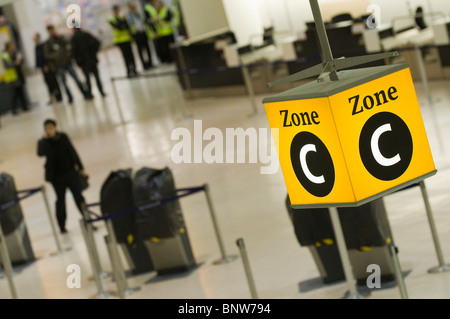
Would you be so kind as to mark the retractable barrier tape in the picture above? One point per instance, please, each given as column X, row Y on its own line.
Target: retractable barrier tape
column 187, row 192
column 194, row 71
column 18, row 199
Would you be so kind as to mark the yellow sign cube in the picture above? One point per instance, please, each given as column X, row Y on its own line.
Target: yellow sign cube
column 348, row 142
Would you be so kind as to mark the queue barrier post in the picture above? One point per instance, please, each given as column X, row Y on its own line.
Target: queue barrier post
column 111, row 240
column 118, row 269
column 52, row 222
column 423, row 75
column 30, row 192
column 184, row 73
column 224, row 258
column 251, row 283
column 7, row 265
column 90, row 233
column 116, row 97
column 101, row 293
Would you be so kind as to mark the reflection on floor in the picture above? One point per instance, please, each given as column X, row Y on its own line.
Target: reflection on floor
column 132, row 127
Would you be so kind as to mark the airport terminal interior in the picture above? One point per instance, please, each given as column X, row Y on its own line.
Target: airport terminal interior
column 235, row 236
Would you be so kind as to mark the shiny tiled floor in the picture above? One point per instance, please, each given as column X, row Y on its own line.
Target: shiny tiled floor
column 136, row 132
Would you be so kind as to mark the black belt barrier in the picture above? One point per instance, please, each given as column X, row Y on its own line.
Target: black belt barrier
column 152, row 204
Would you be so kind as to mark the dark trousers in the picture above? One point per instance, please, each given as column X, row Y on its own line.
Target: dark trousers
column 164, row 50
column 61, row 71
column 89, row 70
column 60, row 184
column 143, row 49
column 52, row 84
column 18, row 96
column 128, row 57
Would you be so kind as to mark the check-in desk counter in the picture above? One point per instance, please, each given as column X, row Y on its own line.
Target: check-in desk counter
column 203, row 69
column 214, row 67
column 345, row 38
column 433, row 43
column 442, row 41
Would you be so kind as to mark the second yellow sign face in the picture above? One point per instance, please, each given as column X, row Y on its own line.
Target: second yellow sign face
column 347, row 142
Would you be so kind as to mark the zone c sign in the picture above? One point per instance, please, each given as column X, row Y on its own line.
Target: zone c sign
column 348, row 142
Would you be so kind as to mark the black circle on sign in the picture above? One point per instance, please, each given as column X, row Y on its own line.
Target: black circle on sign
column 318, row 163
column 394, row 144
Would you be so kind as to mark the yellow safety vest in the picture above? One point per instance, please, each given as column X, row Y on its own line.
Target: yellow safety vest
column 176, row 13
column 131, row 18
column 151, row 33
column 119, row 36
column 163, row 28
column 10, row 74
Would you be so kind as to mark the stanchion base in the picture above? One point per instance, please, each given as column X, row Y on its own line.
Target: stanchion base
column 439, row 269
column 61, row 251
column 357, row 295
column 185, row 117
column 103, row 295
column 225, row 260
column 256, row 113
column 130, row 291
column 102, row 275
column 3, row 275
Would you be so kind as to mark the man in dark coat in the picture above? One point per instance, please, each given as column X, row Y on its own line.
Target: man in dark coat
column 84, row 51
column 62, row 169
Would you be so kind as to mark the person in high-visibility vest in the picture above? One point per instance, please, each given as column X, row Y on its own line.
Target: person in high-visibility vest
column 123, row 39
column 138, row 28
column 160, row 17
column 12, row 79
column 151, row 20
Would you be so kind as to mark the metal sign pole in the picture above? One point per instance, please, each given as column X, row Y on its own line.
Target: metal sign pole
column 7, row 265
column 398, row 272
column 343, row 253
column 225, row 258
column 442, row 266
column 248, row 272
column 322, row 36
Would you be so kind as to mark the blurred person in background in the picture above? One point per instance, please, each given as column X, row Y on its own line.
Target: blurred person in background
column 159, row 17
column 85, row 47
column 48, row 71
column 58, row 53
column 123, row 39
column 11, row 61
column 138, row 28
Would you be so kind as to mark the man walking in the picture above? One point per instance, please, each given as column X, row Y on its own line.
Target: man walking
column 62, row 169
column 58, row 53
